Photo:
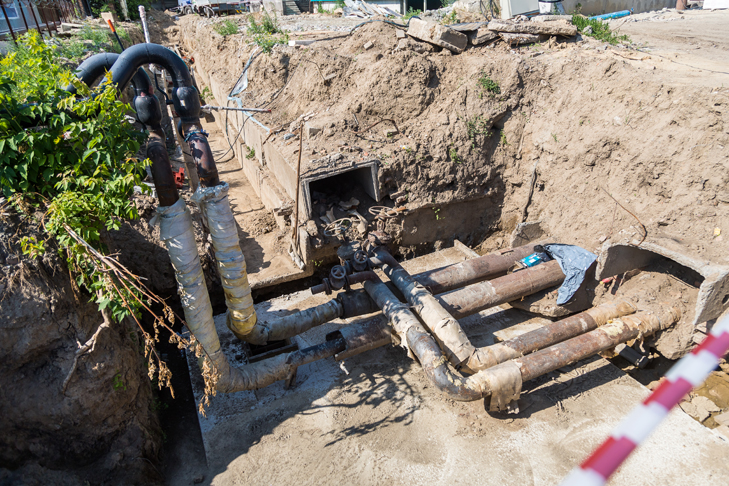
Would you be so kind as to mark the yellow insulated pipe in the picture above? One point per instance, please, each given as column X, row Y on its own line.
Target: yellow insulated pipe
column 215, row 206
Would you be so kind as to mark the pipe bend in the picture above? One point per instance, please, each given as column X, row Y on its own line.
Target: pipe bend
column 184, row 95
column 138, row 55
column 96, row 66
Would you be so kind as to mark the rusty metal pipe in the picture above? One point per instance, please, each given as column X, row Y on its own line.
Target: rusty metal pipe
column 202, row 155
column 477, row 297
column 474, row 270
column 295, row 323
column 445, row 328
column 548, row 335
column 164, row 181
column 421, row 343
column 329, row 284
column 601, row 339
column 362, row 337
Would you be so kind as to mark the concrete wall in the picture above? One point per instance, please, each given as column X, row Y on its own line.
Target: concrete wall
column 273, row 6
column 330, row 6
column 588, row 7
column 597, row 7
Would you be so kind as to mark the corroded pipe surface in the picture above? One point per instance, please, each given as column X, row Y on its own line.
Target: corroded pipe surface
column 477, row 297
column 294, row 324
column 359, row 338
column 267, row 372
column 421, row 343
column 445, row 328
column 164, row 181
column 548, row 335
column 474, row 270
column 603, row 338
column 207, row 171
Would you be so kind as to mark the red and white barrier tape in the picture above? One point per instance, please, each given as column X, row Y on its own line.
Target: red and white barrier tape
column 690, row 371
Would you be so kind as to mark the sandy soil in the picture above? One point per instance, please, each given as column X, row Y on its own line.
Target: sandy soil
column 693, row 43
column 648, row 126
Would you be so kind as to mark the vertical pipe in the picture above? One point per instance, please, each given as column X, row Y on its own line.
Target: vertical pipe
column 7, row 21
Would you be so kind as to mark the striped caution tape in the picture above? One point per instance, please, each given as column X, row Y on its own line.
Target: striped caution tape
column 689, row 372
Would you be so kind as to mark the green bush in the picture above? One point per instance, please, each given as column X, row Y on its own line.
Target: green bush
column 72, row 158
column 411, row 13
column 268, row 25
column 598, row 29
column 226, row 27
column 265, row 33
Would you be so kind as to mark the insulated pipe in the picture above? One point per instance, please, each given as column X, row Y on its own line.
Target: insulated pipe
column 507, row 377
column 443, row 325
column 96, row 66
column 231, row 262
column 184, row 96
column 164, row 180
column 178, row 236
column 360, row 339
column 356, row 303
column 421, row 344
column 474, row 270
column 627, row 328
column 477, row 297
column 548, row 335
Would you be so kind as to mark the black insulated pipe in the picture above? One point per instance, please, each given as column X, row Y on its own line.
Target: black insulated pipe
column 97, row 65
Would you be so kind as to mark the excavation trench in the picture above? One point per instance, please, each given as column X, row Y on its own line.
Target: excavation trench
column 438, row 298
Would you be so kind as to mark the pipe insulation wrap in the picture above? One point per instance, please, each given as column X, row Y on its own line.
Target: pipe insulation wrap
column 179, row 237
column 231, row 262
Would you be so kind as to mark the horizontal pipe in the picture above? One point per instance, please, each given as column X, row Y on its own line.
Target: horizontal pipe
column 294, row 324
column 547, row 335
column 441, row 278
column 601, row 339
column 359, row 338
column 477, row 297
column 472, row 271
column 267, row 372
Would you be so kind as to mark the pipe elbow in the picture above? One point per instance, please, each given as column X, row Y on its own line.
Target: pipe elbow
column 97, row 65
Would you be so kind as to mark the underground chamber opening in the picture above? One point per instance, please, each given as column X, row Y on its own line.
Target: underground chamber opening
column 341, row 194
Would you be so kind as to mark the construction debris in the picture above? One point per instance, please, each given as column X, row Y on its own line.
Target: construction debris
column 482, row 36
column 519, row 39
column 550, row 28
column 438, row 34
column 359, row 9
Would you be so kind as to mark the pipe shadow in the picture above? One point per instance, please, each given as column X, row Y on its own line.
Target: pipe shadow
column 569, row 382
column 373, row 396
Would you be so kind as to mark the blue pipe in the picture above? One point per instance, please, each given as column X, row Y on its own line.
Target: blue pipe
column 614, row 15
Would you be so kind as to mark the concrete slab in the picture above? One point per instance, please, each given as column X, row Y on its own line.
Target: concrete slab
column 380, row 421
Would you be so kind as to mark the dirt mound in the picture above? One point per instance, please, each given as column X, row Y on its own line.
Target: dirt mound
column 587, row 119
column 102, row 425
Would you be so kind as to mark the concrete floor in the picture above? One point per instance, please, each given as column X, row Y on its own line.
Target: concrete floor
column 380, row 421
